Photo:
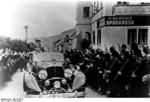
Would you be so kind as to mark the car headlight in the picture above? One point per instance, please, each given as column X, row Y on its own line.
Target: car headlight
column 64, row 81
column 57, row 84
column 47, row 83
column 43, row 74
column 68, row 73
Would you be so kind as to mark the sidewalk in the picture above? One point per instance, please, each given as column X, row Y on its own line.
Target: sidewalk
column 89, row 93
column 14, row 88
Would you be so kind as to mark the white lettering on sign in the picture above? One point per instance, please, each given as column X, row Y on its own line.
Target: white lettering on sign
column 120, row 22
column 124, row 21
column 116, row 21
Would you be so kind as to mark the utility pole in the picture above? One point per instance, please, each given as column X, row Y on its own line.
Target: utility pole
column 26, row 27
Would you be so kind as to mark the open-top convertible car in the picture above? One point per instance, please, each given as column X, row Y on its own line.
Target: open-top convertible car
column 46, row 77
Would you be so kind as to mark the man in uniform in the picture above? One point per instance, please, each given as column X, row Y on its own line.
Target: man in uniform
column 134, row 85
column 146, row 72
column 114, row 68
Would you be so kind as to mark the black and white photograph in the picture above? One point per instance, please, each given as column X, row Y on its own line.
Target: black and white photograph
column 74, row 49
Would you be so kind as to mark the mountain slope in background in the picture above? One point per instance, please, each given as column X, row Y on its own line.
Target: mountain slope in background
column 48, row 42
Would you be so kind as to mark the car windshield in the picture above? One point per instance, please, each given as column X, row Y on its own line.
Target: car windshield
column 49, row 59
column 55, row 71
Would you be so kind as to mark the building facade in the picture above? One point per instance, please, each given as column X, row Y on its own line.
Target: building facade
column 113, row 23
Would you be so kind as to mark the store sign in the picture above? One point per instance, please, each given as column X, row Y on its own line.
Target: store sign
column 119, row 21
column 125, row 21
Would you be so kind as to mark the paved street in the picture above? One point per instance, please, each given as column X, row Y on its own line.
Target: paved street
column 14, row 88
column 91, row 94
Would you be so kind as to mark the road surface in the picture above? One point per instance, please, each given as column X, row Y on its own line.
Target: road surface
column 14, row 88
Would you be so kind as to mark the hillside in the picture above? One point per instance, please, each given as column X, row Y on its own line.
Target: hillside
column 47, row 42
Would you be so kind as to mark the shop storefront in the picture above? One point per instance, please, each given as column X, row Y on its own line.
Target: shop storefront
column 115, row 30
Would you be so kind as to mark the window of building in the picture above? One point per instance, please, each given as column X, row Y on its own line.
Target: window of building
column 88, row 36
column 86, row 11
column 142, row 36
column 132, row 36
column 99, row 37
column 138, row 36
column 101, row 5
column 93, row 37
column 92, row 9
column 98, row 22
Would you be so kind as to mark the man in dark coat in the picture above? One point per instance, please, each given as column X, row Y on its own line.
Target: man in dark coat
column 135, row 50
column 85, row 44
column 118, row 73
column 135, row 84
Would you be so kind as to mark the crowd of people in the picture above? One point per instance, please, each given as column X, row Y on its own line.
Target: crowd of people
column 113, row 72
column 10, row 62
